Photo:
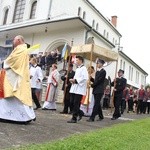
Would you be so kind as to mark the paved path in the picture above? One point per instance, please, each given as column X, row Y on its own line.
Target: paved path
column 51, row 126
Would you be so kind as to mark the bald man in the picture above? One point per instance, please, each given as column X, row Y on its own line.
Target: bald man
column 16, row 105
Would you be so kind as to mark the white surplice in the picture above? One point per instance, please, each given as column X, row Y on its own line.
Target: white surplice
column 52, row 89
column 81, row 76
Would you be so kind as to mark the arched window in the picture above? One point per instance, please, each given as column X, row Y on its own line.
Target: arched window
column 97, row 26
column 33, row 10
column 5, row 16
column 84, row 15
column 79, row 11
column 19, row 11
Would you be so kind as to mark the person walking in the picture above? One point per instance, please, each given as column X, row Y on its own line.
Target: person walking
column 67, row 85
column 119, row 85
column 87, row 101
column 106, row 99
column 16, row 103
column 147, row 97
column 78, row 88
column 36, row 77
column 141, row 95
column 98, row 91
column 52, row 89
column 130, row 99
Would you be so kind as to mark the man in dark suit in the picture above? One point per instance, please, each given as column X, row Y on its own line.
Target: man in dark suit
column 98, row 91
column 66, row 88
column 119, row 85
column 43, row 61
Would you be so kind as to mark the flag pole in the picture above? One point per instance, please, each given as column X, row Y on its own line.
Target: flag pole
column 69, row 60
column 91, row 57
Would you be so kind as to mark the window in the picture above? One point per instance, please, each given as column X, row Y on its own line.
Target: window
column 129, row 72
column 113, row 40
column 137, row 77
column 5, row 16
column 9, row 42
column 121, row 64
column 79, row 11
column 33, row 10
column 142, row 80
column 116, row 43
column 132, row 74
column 93, row 23
column 107, row 35
column 19, row 11
column 124, row 65
column 84, row 15
column 104, row 34
column 97, row 26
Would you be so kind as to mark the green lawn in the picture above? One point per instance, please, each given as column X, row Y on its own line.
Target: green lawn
column 127, row 136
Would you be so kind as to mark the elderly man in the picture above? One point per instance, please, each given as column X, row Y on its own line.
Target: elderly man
column 16, row 103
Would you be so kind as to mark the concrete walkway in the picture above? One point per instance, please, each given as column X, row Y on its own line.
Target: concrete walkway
column 51, row 125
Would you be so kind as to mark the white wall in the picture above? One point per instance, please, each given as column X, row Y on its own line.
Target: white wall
column 45, row 39
column 60, row 9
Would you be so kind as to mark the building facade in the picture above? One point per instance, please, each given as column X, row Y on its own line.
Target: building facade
column 134, row 74
column 52, row 23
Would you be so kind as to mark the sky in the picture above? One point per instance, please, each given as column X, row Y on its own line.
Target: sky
column 134, row 26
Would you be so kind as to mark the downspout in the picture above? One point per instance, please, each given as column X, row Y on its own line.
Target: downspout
column 49, row 10
column 86, row 34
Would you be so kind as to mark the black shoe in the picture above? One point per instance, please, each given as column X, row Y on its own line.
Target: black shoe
column 114, row 118
column 37, row 108
column 45, row 109
column 52, row 109
column 72, row 121
column 100, row 119
column 63, row 112
column 80, row 116
column 34, row 119
column 70, row 112
column 90, row 120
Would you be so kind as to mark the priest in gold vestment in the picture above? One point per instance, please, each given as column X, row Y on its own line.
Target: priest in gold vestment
column 16, row 103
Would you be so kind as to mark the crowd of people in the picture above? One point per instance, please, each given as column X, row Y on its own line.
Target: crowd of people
column 84, row 89
column 46, row 60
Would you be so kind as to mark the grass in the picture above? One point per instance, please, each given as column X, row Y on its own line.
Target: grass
column 127, row 136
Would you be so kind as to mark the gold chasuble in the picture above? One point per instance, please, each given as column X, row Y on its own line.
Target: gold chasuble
column 17, row 77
